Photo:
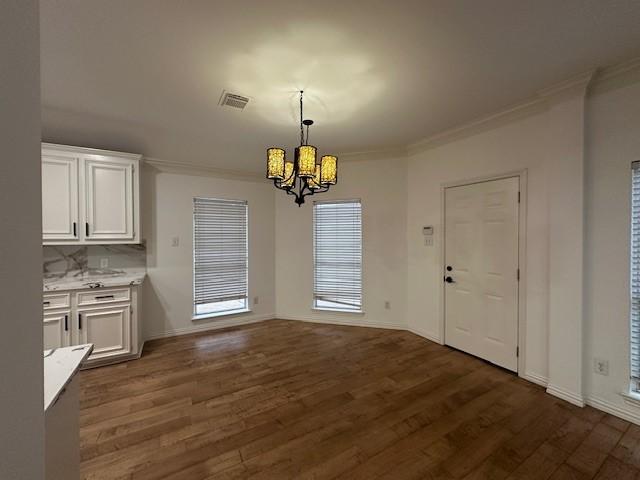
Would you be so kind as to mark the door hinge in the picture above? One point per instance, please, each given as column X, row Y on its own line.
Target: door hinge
column 130, row 309
column 518, row 197
column 517, row 351
column 518, row 274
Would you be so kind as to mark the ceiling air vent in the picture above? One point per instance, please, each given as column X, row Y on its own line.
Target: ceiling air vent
column 232, row 100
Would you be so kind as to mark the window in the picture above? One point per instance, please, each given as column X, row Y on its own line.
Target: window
column 337, row 248
column 635, row 277
column 220, row 257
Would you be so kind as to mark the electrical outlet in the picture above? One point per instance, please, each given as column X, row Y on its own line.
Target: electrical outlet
column 256, row 300
column 175, row 241
column 104, row 263
column 387, row 304
column 601, row 366
column 428, row 240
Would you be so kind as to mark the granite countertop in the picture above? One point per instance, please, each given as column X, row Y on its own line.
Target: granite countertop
column 79, row 282
column 60, row 365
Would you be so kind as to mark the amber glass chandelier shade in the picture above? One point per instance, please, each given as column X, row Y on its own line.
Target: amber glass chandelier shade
column 314, row 182
column 275, row 163
column 306, row 161
column 329, row 170
column 289, row 177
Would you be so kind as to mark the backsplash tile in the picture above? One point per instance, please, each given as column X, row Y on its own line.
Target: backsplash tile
column 81, row 260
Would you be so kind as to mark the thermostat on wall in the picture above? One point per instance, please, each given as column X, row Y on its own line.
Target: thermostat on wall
column 428, row 235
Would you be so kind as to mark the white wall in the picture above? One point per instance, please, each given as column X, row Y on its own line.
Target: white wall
column 167, row 212
column 21, row 382
column 613, row 142
column 380, row 184
column 516, row 146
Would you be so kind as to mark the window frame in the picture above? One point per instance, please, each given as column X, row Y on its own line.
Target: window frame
column 634, row 284
column 314, row 305
column 227, row 312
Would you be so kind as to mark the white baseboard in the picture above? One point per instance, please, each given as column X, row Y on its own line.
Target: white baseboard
column 628, row 414
column 566, row 395
column 427, row 335
column 217, row 324
column 536, row 378
column 333, row 320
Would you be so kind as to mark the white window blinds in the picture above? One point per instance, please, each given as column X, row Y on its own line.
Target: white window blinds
column 337, row 242
column 635, row 275
column 220, row 256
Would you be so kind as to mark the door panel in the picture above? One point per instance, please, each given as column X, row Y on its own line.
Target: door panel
column 56, row 330
column 108, row 328
column 59, row 198
column 109, row 200
column 481, row 246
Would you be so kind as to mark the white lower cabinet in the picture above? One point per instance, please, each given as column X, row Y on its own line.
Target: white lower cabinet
column 57, row 331
column 108, row 328
column 107, row 318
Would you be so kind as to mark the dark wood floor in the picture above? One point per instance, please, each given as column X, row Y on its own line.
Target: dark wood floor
column 281, row 399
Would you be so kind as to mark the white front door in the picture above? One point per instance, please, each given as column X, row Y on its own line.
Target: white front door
column 481, row 270
column 59, row 198
column 109, row 200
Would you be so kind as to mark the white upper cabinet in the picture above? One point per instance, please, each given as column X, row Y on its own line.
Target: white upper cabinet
column 109, row 200
column 89, row 196
column 60, row 198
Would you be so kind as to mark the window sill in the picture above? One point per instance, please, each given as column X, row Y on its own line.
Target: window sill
column 632, row 398
column 336, row 310
column 204, row 316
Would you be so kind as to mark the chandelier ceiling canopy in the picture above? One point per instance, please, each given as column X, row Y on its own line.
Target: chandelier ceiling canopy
column 304, row 175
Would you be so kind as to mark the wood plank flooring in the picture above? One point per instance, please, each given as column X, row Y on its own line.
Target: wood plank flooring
column 282, row 399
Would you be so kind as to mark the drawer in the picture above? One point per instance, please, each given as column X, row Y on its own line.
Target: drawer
column 56, row 300
column 97, row 297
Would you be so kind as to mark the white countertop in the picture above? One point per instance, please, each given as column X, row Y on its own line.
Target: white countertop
column 60, row 365
column 93, row 281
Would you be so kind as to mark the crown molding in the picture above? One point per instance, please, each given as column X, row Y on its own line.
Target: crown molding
column 184, row 168
column 89, row 151
column 576, row 85
column 614, row 71
column 384, row 154
column 479, row 125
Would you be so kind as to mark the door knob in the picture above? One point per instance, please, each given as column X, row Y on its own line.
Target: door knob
column 449, row 280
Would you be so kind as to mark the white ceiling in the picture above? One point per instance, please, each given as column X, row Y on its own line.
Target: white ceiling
column 146, row 75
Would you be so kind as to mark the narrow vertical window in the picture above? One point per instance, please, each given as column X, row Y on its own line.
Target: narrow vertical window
column 337, row 244
column 635, row 277
column 220, row 257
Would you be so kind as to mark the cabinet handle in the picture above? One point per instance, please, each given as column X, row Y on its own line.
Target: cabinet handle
column 104, row 297
column 79, row 321
column 66, row 323
column 75, row 229
column 86, row 229
column 46, row 304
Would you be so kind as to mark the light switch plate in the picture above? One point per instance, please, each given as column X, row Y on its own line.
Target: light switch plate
column 601, row 366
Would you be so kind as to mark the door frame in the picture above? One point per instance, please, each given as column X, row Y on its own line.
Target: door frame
column 522, row 250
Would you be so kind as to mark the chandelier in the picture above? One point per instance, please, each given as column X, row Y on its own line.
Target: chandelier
column 304, row 175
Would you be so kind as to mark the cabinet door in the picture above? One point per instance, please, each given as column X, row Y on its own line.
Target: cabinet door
column 59, row 198
column 108, row 328
column 57, row 330
column 109, row 202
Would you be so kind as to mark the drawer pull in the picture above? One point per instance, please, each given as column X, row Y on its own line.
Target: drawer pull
column 86, row 229
column 46, row 304
column 105, row 297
